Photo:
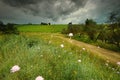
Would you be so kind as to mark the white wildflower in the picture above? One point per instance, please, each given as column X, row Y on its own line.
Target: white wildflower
column 118, row 63
column 62, row 46
column 79, row 60
column 31, row 66
column 70, row 53
column 83, row 49
column 41, row 55
column 118, row 72
column 113, row 68
column 38, row 47
column 49, row 42
column 106, row 64
column 70, row 34
column 39, row 78
column 98, row 47
column 15, row 69
column 59, row 56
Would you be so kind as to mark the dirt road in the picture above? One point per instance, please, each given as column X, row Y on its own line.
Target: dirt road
column 103, row 53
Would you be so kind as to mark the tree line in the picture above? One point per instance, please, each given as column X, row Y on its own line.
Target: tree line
column 8, row 28
column 108, row 33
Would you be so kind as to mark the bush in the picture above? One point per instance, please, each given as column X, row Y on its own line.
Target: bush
column 84, row 38
column 8, row 29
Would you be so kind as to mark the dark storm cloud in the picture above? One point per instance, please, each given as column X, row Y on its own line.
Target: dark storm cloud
column 19, row 3
column 57, row 10
column 109, row 5
column 47, row 8
column 104, row 8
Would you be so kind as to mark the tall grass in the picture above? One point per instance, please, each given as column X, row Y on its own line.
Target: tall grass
column 37, row 57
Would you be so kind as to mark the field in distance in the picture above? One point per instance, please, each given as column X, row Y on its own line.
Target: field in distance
column 41, row 28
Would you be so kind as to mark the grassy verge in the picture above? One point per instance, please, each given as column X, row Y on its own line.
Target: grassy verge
column 37, row 54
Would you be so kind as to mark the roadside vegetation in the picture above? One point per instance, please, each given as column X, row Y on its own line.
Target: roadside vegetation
column 37, row 55
column 103, row 35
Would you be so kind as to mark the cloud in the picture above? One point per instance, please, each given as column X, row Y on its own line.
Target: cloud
column 98, row 10
column 57, row 11
column 47, row 8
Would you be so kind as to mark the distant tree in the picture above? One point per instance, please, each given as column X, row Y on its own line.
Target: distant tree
column 104, row 34
column 49, row 23
column 75, row 29
column 114, row 27
column 70, row 27
column 111, row 32
column 29, row 23
column 8, row 29
column 2, row 26
column 1, row 23
column 90, row 28
column 42, row 23
column 11, row 29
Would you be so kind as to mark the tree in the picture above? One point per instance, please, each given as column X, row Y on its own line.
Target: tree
column 90, row 28
column 1, row 23
column 1, row 26
column 114, row 27
column 8, row 29
column 70, row 27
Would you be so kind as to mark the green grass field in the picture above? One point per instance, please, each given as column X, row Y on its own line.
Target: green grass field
column 38, row 51
column 41, row 28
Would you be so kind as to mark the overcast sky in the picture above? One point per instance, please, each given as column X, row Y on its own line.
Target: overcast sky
column 56, row 11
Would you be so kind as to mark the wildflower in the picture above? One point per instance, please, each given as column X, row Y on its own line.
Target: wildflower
column 62, row 46
column 59, row 56
column 31, row 66
column 39, row 78
column 109, row 67
column 118, row 72
column 41, row 55
column 83, row 49
column 15, row 69
column 70, row 34
column 70, row 53
column 49, row 42
column 118, row 63
column 106, row 64
column 113, row 68
column 98, row 47
column 79, row 60
column 38, row 47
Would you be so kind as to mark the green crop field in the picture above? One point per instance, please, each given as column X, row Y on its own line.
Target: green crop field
column 41, row 28
column 41, row 54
